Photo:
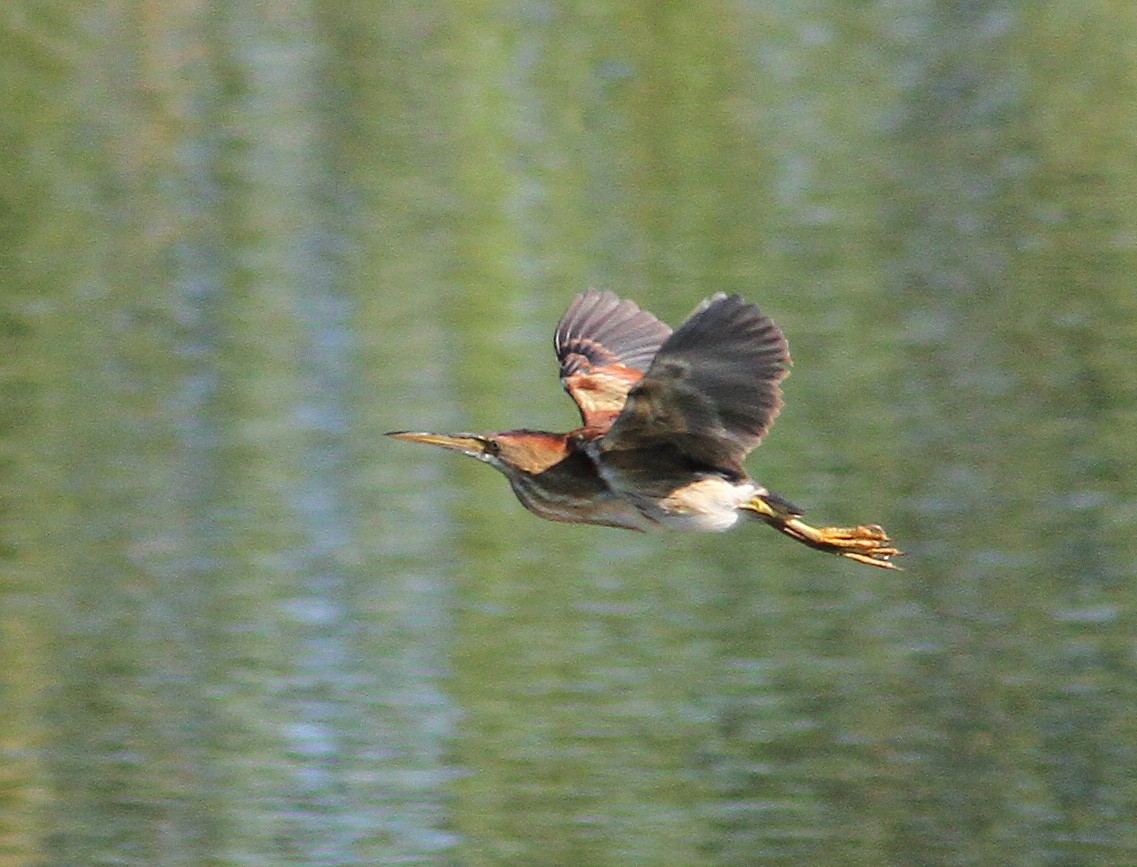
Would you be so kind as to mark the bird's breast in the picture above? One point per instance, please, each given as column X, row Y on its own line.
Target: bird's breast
column 573, row 492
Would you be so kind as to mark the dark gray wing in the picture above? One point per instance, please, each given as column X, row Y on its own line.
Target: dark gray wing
column 711, row 392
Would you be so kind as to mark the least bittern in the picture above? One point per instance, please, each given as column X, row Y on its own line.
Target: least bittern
column 667, row 419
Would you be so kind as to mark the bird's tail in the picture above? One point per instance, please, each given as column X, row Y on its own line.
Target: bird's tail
column 865, row 543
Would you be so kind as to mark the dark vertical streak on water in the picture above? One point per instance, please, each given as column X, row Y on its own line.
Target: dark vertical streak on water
column 959, row 108
column 290, row 256
column 140, row 460
column 395, row 132
column 198, row 274
column 1004, row 414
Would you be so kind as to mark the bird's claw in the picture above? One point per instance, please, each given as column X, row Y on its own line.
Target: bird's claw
column 865, row 543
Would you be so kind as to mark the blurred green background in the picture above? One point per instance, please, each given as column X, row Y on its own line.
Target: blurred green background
column 241, row 240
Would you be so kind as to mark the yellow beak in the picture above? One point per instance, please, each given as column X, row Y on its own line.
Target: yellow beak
column 470, row 444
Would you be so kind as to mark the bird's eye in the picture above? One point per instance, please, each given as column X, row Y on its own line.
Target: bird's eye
column 492, row 447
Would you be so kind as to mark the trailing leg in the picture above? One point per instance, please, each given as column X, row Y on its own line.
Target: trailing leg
column 865, row 543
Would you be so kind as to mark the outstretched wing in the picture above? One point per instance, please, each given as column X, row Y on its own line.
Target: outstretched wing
column 604, row 345
column 709, row 395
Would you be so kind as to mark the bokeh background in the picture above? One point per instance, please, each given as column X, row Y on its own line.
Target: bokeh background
column 239, row 240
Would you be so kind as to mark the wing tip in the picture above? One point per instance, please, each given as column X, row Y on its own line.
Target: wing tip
column 604, row 329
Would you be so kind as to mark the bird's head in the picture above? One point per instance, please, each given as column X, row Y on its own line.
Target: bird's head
column 511, row 452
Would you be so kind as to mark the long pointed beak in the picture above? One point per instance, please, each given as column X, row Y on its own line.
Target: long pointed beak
column 469, row 444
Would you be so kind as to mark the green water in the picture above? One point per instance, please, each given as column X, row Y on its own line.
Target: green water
column 240, row 241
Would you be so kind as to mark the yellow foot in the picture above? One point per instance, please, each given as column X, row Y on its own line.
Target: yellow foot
column 866, row 543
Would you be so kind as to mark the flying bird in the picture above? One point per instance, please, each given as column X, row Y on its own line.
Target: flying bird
column 667, row 419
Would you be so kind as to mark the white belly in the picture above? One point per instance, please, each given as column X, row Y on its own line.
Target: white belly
column 707, row 505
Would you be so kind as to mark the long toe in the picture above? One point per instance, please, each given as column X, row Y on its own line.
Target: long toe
column 867, row 543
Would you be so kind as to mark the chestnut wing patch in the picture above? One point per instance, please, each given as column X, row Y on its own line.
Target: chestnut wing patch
column 604, row 344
